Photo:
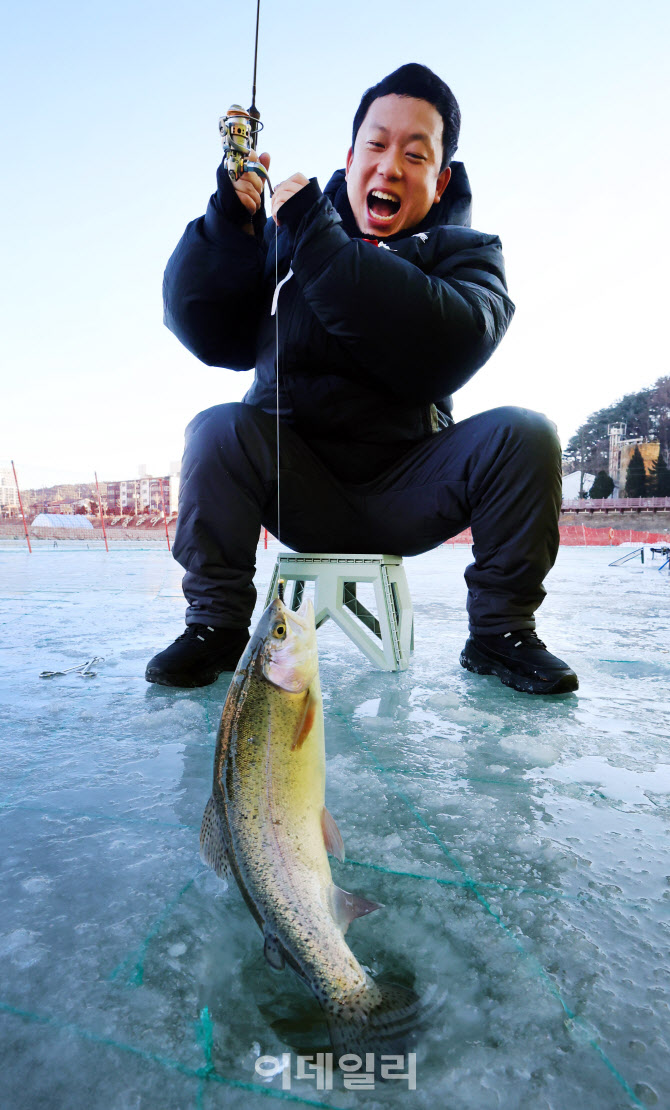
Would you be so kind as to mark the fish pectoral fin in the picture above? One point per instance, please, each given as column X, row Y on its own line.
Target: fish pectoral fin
column 273, row 951
column 212, row 847
column 306, row 722
column 332, row 837
column 346, row 907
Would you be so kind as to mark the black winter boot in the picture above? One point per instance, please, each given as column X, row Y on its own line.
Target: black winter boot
column 198, row 656
column 520, row 660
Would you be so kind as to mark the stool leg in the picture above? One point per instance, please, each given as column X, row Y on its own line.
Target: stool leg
column 272, row 588
column 298, row 591
column 403, row 609
column 358, row 609
column 329, row 601
column 388, row 622
column 366, row 642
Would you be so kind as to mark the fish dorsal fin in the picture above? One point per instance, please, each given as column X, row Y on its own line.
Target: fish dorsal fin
column 212, row 847
column 272, row 951
column 347, row 906
column 332, row 836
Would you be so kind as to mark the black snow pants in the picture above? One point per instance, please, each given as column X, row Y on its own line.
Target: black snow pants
column 498, row 472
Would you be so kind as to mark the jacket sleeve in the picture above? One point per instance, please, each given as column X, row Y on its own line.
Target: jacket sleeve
column 213, row 282
column 423, row 328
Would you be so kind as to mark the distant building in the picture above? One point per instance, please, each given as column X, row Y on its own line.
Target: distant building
column 144, row 493
column 621, row 452
column 573, row 483
column 9, row 498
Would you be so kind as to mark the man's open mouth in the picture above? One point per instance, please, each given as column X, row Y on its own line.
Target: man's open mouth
column 382, row 206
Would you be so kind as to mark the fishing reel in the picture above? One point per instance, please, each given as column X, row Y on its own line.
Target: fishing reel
column 238, row 130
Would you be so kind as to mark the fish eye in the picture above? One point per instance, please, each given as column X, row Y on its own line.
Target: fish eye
column 280, row 630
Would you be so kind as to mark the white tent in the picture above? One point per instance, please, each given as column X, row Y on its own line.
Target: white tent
column 55, row 520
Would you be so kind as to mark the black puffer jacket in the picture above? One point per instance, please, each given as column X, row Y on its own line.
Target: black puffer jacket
column 372, row 338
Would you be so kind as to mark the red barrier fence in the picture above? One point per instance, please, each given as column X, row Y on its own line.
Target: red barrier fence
column 578, row 535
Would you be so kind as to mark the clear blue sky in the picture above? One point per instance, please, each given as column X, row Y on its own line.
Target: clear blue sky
column 110, row 146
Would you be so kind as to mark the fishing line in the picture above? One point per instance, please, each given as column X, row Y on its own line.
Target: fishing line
column 254, row 112
column 277, row 373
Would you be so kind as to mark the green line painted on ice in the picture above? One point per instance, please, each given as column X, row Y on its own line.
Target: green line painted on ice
column 206, row 1073
column 204, row 1032
column 465, row 883
column 136, row 976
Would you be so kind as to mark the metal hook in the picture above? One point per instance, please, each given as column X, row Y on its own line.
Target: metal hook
column 82, row 669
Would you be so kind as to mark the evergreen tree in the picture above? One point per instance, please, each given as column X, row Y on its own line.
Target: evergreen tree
column 646, row 413
column 602, row 486
column 636, row 478
column 659, row 478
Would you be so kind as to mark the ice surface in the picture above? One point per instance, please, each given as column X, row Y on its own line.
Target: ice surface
column 520, row 847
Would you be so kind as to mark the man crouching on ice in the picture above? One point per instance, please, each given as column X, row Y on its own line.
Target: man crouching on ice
column 387, row 302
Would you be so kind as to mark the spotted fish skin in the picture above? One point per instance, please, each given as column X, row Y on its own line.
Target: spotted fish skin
column 266, row 822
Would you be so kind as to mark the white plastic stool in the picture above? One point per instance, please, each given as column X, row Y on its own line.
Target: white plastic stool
column 387, row 641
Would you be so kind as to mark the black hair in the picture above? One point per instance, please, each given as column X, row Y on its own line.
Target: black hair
column 418, row 81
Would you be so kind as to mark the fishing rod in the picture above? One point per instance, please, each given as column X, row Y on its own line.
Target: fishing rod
column 239, row 129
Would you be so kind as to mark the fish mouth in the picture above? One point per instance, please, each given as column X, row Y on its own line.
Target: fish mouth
column 303, row 617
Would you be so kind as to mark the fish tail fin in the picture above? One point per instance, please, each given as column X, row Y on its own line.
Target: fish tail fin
column 385, row 1028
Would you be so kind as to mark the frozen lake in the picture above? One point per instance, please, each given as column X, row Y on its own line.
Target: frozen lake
column 520, row 846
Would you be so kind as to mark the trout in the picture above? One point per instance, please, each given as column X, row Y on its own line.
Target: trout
column 267, row 826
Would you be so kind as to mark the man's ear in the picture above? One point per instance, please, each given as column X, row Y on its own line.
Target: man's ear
column 350, row 158
column 442, row 182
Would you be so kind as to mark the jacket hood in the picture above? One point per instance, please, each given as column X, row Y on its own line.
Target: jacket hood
column 455, row 207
